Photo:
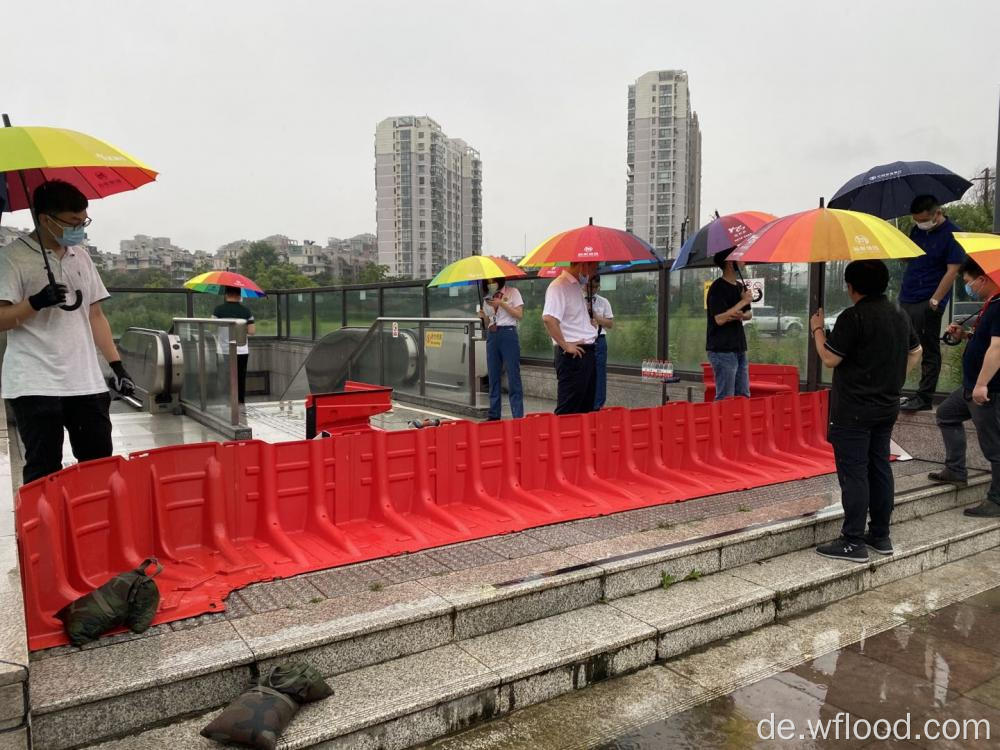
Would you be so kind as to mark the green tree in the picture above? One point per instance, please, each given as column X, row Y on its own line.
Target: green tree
column 373, row 273
column 259, row 257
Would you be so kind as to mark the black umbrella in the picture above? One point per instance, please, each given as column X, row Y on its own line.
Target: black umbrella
column 888, row 189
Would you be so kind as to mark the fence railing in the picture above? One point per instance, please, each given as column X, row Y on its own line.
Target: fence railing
column 658, row 314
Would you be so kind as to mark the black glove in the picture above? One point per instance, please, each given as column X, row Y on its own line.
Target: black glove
column 50, row 296
column 121, row 382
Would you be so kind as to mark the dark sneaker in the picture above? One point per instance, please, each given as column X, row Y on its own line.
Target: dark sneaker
column 947, row 476
column 882, row 546
column 915, row 404
column 844, row 550
column 986, row 509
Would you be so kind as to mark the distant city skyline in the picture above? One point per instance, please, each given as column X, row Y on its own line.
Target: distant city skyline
column 259, row 117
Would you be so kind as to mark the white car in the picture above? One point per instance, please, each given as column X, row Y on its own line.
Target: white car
column 766, row 320
column 829, row 320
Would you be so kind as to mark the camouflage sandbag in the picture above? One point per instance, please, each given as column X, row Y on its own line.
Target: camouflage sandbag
column 256, row 719
column 128, row 599
column 300, row 681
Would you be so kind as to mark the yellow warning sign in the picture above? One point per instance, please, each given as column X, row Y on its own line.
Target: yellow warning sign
column 433, row 339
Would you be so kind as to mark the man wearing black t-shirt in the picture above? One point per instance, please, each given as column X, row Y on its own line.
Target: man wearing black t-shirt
column 979, row 397
column 871, row 348
column 232, row 308
column 728, row 305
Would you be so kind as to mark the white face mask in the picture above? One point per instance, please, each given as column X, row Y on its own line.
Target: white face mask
column 926, row 225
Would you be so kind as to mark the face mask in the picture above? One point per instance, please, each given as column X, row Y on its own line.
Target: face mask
column 926, row 225
column 969, row 290
column 71, row 236
column 584, row 279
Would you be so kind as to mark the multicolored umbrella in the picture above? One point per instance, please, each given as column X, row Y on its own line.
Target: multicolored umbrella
column 30, row 156
column 720, row 234
column 825, row 234
column 590, row 244
column 216, row 282
column 986, row 249
column 474, row 269
column 888, row 189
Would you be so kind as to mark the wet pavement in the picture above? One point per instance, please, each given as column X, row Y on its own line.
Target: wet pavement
column 934, row 680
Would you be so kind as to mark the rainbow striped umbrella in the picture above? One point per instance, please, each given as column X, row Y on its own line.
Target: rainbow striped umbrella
column 474, row 269
column 215, row 282
column 590, row 244
column 825, row 234
column 720, row 234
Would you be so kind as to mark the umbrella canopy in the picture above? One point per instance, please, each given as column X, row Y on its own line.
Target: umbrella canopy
column 985, row 249
column 888, row 189
column 474, row 269
column 37, row 155
column 215, row 282
column 825, row 234
column 720, row 234
column 590, row 244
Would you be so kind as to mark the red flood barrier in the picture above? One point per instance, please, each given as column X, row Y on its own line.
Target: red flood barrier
column 219, row 516
column 346, row 411
column 765, row 380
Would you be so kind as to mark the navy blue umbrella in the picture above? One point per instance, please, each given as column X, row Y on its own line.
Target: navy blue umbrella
column 888, row 189
column 720, row 234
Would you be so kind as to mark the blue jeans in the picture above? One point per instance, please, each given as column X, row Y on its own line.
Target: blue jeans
column 503, row 352
column 732, row 378
column 601, row 390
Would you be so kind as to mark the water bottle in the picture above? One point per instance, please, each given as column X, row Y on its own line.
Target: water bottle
column 645, row 369
column 670, row 369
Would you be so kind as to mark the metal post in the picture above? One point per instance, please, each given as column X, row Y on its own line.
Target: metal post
column 663, row 329
column 278, row 319
column 189, row 304
column 312, row 314
column 426, row 313
column 380, row 345
column 381, row 302
column 343, row 308
column 471, row 353
column 817, row 297
column 234, row 394
column 421, row 365
column 996, row 187
column 202, row 384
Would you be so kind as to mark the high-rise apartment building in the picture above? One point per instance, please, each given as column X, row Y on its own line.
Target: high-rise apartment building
column 428, row 193
column 664, row 160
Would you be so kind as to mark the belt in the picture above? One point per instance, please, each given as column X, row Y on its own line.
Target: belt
column 505, row 326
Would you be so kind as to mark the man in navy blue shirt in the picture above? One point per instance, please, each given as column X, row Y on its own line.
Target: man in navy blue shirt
column 926, row 288
column 979, row 397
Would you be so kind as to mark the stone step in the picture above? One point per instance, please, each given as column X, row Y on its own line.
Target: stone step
column 419, row 697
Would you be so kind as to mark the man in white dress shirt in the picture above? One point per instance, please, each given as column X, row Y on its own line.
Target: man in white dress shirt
column 569, row 323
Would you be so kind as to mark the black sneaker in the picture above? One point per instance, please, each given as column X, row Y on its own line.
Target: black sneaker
column 915, row 404
column 883, row 546
column 986, row 509
column 948, row 477
column 842, row 549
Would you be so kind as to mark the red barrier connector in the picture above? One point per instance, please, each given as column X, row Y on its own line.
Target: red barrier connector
column 219, row 516
column 346, row 411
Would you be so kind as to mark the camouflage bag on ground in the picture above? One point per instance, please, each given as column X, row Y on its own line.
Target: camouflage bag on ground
column 256, row 719
column 300, row 681
column 128, row 599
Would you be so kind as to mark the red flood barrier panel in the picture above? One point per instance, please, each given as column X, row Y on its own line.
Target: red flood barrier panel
column 219, row 516
column 765, row 380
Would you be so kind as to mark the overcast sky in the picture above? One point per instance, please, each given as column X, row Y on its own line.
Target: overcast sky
column 260, row 116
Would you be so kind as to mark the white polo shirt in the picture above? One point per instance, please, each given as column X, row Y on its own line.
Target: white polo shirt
column 602, row 309
column 565, row 301
column 503, row 318
column 53, row 352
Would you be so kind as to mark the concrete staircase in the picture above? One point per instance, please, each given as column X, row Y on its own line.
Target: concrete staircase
column 409, row 664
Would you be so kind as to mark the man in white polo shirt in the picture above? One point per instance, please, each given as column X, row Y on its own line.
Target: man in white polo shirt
column 573, row 333
column 51, row 375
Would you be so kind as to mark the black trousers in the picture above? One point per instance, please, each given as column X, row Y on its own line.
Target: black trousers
column 952, row 414
column 577, row 381
column 866, row 482
column 40, row 423
column 927, row 324
column 241, row 376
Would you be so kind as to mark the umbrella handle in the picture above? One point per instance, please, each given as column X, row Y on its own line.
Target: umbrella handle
column 79, row 301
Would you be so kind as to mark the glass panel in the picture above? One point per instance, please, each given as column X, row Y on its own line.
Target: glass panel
column 405, row 301
column 144, row 310
column 362, row 307
column 206, row 368
column 329, row 312
column 264, row 311
column 299, row 315
column 535, row 341
column 775, row 335
column 633, row 304
column 453, row 301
